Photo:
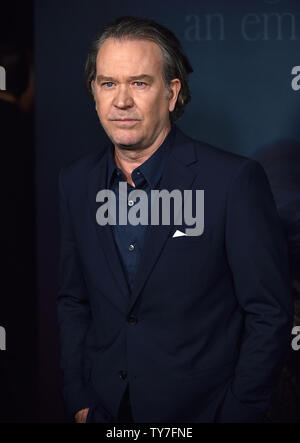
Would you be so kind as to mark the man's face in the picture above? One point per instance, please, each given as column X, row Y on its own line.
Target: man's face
column 131, row 97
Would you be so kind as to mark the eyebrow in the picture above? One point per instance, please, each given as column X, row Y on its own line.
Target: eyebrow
column 149, row 78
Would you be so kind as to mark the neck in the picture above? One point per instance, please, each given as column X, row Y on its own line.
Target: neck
column 128, row 160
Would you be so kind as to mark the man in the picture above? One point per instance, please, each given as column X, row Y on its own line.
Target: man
column 155, row 325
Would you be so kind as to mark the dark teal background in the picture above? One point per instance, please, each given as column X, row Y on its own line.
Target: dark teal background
column 242, row 101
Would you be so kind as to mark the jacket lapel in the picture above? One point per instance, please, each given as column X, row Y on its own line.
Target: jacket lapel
column 177, row 175
column 97, row 182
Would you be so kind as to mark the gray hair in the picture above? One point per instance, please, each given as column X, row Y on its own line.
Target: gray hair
column 175, row 62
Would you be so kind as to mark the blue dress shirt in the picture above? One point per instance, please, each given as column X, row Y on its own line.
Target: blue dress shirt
column 129, row 239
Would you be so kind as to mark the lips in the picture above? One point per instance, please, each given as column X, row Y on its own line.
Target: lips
column 126, row 122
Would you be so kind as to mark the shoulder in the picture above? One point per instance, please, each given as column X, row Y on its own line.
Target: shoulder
column 76, row 172
column 212, row 160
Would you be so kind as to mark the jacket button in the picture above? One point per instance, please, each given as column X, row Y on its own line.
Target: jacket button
column 123, row 375
column 132, row 320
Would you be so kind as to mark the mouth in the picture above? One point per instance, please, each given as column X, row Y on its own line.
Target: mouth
column 126, row 122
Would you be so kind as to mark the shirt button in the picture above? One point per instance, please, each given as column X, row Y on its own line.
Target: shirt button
column 130, row 202
column 131, row 247
column 123, row 375
column 132, row 320
column 137, row 172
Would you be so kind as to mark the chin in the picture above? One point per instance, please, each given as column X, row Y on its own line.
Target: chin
column 126, row 140
column 128, row 146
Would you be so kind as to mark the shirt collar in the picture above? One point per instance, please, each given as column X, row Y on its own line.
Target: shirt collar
column 151, row 169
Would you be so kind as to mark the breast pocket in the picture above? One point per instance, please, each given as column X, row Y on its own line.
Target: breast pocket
column 186, row 256
column 188, row 241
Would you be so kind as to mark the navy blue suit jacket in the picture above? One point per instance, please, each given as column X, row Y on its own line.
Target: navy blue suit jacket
column 204, row 333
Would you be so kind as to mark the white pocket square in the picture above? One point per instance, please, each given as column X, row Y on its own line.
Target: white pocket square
column 178, row 234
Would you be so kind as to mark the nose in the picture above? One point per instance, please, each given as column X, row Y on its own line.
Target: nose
column 123, row 98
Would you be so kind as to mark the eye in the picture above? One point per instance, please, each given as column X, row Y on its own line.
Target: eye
column 107, row 84
column 140, row 84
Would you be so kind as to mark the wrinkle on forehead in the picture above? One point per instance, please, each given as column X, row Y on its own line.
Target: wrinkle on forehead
column 129, row 57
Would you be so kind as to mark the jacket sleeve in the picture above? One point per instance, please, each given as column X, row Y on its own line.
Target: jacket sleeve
column 73, row 314
column 257, row 255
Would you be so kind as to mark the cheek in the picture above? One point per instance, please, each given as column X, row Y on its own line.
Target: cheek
column 161, row 101
column 101, row 99
column 101, row 107
column 153, row 107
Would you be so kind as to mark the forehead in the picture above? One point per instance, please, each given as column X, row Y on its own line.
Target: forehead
column 129, row 57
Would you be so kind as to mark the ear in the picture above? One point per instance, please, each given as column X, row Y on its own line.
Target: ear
column 175, row 86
